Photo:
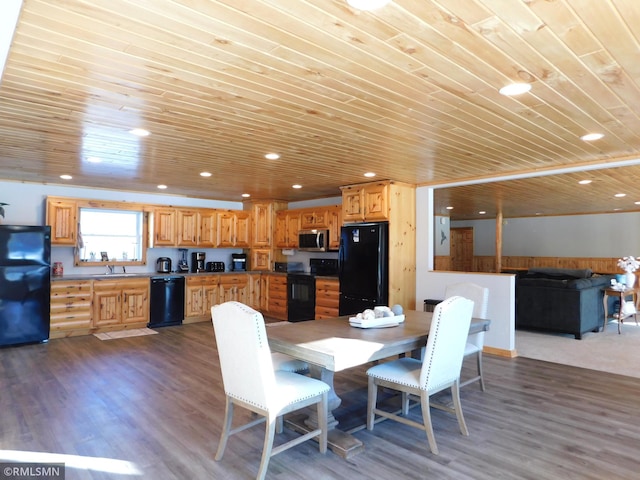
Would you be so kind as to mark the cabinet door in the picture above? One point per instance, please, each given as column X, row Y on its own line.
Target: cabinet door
column 194, row 301
column 264, row 293
column 164, row 227
column 261, row 259
column 187, row 228
column 262, row 224
column 281, row 232
column 211, row 296
column 135, row 305
column 375, row 202
column 352, row 204
column 335, row 223
column 207, row 228
column 107, row 307
column 225, row 228
column 293, row 227
column 242, row 229
column 62, row 216
column 308, row 219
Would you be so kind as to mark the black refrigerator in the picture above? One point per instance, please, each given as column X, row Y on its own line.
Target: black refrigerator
column 25, row 284
column 363, row 267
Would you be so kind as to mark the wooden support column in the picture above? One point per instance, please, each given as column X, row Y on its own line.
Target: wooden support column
column 499, row 242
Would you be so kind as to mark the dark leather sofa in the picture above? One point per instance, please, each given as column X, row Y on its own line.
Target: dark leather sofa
column 561, row 300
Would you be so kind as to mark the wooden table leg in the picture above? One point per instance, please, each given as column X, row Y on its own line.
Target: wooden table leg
column 341, row 443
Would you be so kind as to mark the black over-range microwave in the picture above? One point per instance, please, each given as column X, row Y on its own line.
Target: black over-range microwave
column 313, row 240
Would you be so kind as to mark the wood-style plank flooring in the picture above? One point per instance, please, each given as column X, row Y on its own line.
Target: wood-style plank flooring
column 154, row 404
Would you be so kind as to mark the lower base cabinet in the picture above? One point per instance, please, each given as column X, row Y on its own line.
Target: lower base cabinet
column 278, row 297
column 327, row 297
column 70, row 308
column 120, row 302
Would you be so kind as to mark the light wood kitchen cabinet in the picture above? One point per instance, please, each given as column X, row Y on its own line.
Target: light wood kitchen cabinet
column 327, row 297
column 262, row 224
column 365, row 202
column 316, row 218
column 70, row 308
column 334, row 214
column 196, row 227
column 233, row 229
column 62, row 216
column 278, row 296
column 234, row 288
column 163, row 227
column 287, row 228
column 264, row 293
column 261, row 259
column 120, row 302
column 187, row 227
column 201, row 293
column 255, row 292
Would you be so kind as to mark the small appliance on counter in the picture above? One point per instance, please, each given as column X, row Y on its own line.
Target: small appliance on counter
column 238, row 262
column 215, row 266
column 197, row 262
column 183, row 265
column 163, row 265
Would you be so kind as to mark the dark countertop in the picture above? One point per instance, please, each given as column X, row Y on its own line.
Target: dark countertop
column 107, row 276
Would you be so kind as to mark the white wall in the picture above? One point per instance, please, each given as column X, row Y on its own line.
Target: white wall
column 431, row 284
column 27, row 207
column 601, row 235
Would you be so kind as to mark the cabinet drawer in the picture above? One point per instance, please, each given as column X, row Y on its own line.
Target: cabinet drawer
column 327, row 301
column 326, row 312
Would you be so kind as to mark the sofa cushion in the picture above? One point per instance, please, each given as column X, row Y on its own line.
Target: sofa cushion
column 560, row 272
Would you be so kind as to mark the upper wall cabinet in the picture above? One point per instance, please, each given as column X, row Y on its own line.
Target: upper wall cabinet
column 262, row 224
column 365, row 202
column 62, row 216
column 163, row 227
column 234, row 229
column 287, row 228
column 196, row 227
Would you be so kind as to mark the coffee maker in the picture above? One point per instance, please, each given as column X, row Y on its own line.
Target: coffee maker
column 239, row 262
column 197, row 262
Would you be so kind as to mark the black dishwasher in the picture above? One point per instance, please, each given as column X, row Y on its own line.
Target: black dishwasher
column 167, row 301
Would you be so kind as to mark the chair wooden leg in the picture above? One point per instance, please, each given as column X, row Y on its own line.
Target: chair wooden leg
column 323, row 413
column 480, row 370
column 269, row 435
column 405, row 403
column 371, row 402
column 457, row 406
column 426, row 420
column 226, row 428
column 280, row 424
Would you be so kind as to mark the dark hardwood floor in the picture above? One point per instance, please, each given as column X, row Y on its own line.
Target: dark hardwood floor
column 154, row 404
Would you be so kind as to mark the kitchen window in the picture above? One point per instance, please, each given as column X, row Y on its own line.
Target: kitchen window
column 117, row 235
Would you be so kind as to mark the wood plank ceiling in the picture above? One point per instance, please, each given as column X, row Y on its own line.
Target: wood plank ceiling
column 409, row 91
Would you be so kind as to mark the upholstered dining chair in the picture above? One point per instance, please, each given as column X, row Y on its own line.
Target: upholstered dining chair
column 475, row 341
column 251, row 382
column 438, row 370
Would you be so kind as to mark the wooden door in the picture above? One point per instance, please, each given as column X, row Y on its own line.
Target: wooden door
column 187, row 228
column 352, row 204
column 293, row 227
column 335, row 222
column 207, row 228
column 462, row 249
column 62, row 216
column 194, row 303
column 107, row 307
column 375, row 202
column 242, row 230
column 164, row 227
column 225, row 227
column 262, row 225
column 135, row 307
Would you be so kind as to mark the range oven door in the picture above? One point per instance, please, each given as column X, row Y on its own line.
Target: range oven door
column 301, row 297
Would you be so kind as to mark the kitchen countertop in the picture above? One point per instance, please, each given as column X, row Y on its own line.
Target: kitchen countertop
column 107, row 276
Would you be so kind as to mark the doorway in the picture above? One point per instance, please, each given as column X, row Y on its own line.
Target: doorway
column 462, row 249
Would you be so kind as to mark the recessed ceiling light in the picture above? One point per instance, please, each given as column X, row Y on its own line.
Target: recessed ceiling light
column 296, row 186
column 94, row 159
column 66, row 177
column 246, row 195
column 272, row 156
column 515, row 89
column 620, row 195
column 585, row 182
column 482, row 212
column 367, row 4
column 162, row 187
column 140, row 132
column 370, row 174
column 449, row 208
column 205, row 174
column 636, row 203
column 591, row 137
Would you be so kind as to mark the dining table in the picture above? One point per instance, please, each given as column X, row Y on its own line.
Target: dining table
column 333, row 345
